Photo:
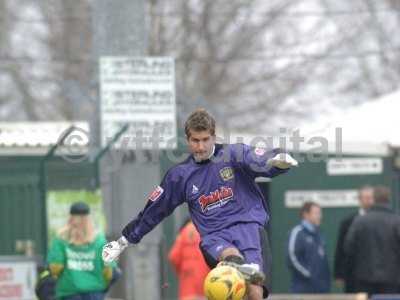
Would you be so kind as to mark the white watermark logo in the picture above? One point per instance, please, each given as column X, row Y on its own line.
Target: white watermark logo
column 146, row 149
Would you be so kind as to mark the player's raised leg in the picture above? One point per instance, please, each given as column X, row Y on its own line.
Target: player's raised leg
column 232, row 257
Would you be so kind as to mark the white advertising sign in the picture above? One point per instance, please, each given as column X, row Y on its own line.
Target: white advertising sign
column 354, row 166
column 139, row 91
column 17, row 280
column 325, row 198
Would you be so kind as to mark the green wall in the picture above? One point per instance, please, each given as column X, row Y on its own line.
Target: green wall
column 312, row 176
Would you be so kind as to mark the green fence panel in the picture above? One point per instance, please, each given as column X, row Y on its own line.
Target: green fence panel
column 20, row 199
column 20, row 215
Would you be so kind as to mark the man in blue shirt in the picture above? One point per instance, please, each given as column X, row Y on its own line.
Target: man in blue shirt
column 218, row 184
column 307, row 258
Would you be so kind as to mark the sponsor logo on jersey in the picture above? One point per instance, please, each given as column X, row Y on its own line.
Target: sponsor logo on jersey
column 156, row 193
column 215, row 199
column 226, row 173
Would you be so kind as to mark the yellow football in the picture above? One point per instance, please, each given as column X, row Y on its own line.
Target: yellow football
column 224, row 283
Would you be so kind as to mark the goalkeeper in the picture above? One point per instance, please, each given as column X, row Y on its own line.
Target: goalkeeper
column 228, row 209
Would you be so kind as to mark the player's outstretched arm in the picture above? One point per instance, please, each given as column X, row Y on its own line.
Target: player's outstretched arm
column 160, row 204
column 262, row 162
column 112, row 250
column 282, row 161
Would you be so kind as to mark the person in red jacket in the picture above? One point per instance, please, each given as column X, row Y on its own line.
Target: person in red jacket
column 189, row 264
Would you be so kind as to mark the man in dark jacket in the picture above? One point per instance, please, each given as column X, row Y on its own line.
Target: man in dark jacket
column 307, row 258
column 373, row 244
column 343, row 267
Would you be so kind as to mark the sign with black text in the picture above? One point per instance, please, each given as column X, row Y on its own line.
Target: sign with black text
column 139, row 91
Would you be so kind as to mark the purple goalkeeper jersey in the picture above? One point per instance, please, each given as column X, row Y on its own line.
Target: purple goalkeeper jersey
column 219, row 192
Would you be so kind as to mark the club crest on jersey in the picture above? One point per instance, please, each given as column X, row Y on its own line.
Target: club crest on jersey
column 226, row 173
column 156, row 193
column 216, row 199
column 259, row 151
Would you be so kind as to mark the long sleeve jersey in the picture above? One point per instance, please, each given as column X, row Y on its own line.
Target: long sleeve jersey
column 219, row 192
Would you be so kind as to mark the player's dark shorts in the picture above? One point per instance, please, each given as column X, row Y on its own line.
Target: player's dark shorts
column 249, row 238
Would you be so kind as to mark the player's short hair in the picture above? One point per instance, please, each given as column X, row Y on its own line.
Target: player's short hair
column 381, row 194
column 307, row 206
column 200, row 120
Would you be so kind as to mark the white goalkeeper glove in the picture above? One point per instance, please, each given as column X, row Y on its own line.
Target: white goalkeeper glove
column 112, row 250
column 282, row 161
